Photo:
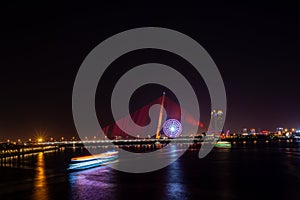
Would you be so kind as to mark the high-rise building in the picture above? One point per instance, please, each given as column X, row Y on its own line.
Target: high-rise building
column 279, row 129
column 252, row 131
column 216, row 122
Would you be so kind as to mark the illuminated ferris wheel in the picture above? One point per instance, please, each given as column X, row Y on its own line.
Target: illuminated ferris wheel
column 172, row 128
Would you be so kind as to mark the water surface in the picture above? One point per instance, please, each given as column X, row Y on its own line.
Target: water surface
column 248, row 171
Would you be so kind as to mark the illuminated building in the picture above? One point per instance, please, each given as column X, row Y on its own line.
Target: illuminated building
column 279, row 131
column 265, row 132
column 217, row 121
column 252, row 131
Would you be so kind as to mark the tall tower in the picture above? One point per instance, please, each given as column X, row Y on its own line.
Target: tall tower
column 160, row 116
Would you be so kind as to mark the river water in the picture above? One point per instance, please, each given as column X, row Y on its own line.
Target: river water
column 246, row 171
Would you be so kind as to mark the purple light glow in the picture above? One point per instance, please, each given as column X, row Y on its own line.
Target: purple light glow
column 172, row 128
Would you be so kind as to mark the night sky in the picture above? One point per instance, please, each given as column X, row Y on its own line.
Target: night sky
column 255, row 46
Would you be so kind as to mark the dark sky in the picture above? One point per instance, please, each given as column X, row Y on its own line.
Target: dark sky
column 255, row 46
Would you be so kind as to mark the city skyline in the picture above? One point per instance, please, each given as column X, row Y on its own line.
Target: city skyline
column 149, row 100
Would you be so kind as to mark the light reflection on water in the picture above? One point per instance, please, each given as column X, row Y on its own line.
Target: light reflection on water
column 224, row 174
column 106, row 183
column 175, row 187
column 40, row 190
column 95, row 183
